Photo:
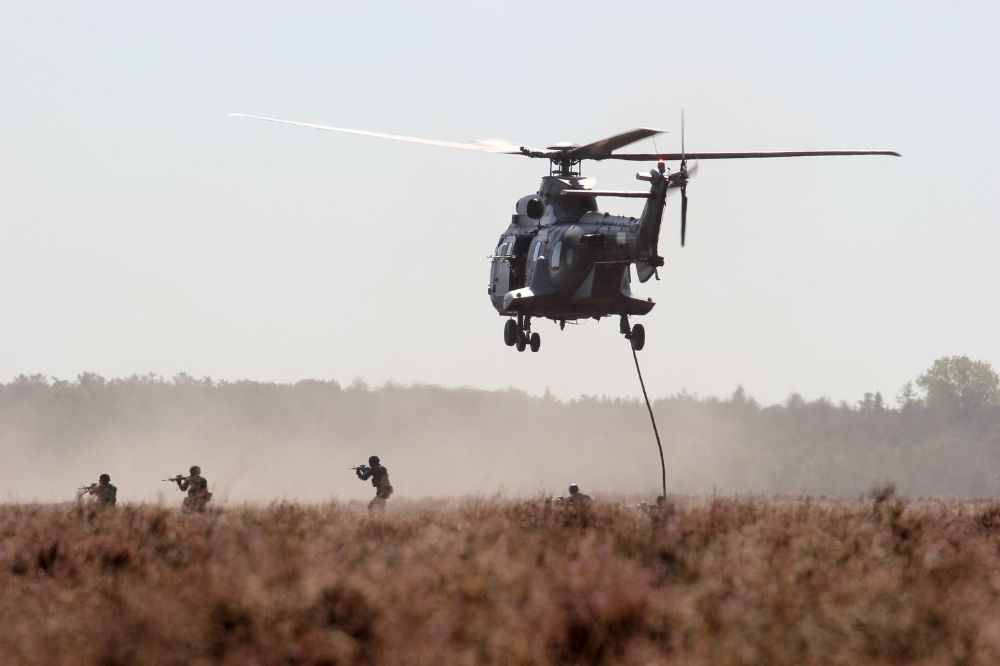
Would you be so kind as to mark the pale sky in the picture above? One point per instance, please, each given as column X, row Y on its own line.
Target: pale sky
column 143, row 230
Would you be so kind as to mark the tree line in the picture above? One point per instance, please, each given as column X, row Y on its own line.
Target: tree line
column 939, row 436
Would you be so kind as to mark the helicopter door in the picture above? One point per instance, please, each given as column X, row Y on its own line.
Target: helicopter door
column 518, row 264
column 500, row 271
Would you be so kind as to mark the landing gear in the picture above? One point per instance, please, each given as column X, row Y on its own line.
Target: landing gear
column 510, row 333
column 634, row 334
column 638, row 337
column 517, row 333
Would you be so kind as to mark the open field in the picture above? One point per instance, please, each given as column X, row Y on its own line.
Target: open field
column 722, row 581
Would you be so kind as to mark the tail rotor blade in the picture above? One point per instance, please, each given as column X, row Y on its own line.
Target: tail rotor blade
column 682, row 134
column 684, row 214
column 684, row 181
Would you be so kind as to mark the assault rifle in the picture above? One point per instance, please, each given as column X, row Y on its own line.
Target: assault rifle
column 83, row 490
column 177, row 479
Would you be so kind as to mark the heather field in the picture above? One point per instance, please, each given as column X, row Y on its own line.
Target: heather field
column 709, row 580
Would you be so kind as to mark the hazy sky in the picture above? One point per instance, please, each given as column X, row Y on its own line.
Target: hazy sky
column 142, row 230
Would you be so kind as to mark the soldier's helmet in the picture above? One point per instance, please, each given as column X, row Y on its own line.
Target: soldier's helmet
column 195, row 469
column 573, row 489
column 104, row 478
column 372, row 461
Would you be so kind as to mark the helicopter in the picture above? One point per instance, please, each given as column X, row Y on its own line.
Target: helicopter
column 560, row 257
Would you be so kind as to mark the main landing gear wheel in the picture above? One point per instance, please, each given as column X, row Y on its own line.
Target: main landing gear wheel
column 522, row 341
column 536, row 342
column 634, row 334
column 510, row 333
column 638, row 337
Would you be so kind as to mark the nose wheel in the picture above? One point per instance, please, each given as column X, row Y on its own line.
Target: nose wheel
column 517, row 333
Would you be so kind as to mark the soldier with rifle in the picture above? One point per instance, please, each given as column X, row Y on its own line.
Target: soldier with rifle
column 379, row 474
column 197, row 490
column 103, row 492
column 576, row 498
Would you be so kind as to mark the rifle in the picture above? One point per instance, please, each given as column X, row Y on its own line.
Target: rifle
column 176, row 479
column 83, row 490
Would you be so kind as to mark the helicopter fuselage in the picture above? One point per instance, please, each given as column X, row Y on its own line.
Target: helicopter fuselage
column 561, row 259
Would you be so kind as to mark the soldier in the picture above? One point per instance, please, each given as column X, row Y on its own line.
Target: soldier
column 576, row 497
column 655, row 511
column 103, row 492
column 379, row 475
column 197, row 491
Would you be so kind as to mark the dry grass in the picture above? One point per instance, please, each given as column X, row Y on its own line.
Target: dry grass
column 719, row 581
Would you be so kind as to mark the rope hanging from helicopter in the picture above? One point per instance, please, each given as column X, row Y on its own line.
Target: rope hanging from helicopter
column 652, row 419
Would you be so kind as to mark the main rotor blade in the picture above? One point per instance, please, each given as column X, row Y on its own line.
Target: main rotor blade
column 652, row 157
column 612, row 143
column 498, row 146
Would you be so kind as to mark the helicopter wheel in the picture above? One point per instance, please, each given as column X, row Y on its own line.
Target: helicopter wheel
column 521, row 342
column 510, row 333
column 638, row 337
column 536, row 342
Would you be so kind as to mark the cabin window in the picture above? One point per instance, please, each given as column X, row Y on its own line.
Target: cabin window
column 556, row 251
column 536, row 250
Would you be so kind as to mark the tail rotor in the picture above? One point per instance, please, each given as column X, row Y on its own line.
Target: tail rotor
column 680, row 179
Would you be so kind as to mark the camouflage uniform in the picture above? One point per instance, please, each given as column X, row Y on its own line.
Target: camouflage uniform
column 106, row 494
column 576, row 498
column 379, row 474
column 197, row 492
column 103, row 493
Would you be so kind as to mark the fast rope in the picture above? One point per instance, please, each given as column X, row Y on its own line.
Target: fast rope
column 663, row 465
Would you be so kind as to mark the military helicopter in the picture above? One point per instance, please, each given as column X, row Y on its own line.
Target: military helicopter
column 561, row 258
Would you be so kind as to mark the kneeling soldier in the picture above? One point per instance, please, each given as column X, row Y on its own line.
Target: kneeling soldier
column 197, row 491
column 576, row 498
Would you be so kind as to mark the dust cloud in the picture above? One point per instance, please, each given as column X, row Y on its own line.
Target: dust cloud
column 261, row 442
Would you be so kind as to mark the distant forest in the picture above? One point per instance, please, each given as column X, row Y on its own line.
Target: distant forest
column 262, row 441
